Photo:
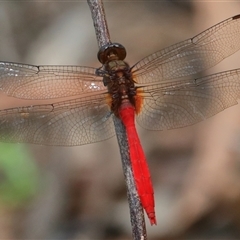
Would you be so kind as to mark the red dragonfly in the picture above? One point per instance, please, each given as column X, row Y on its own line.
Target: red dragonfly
column 161, row 89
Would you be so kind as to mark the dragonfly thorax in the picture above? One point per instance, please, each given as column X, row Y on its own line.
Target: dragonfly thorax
column 117, row 76
column 116, row 66
column 120, row 84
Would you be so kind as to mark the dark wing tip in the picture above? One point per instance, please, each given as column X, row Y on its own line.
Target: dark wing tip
column 236, row 17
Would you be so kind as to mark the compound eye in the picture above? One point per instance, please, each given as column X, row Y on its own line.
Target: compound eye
column 112, row 48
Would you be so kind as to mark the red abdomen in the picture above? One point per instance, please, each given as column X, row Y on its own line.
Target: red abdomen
column 138, row 161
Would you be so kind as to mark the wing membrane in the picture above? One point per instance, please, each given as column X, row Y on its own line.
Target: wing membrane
column 191, row 56
column 47, row 82
column 68, row 123
column 183, row 103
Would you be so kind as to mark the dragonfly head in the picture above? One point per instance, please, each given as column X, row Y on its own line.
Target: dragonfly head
column 111, row 51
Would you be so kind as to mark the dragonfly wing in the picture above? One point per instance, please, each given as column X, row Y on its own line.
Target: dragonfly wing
column 68, row 123
column 47, row 82
column 183, row 103
column 191, row 56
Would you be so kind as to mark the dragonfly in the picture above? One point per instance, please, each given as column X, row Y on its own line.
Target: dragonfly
column 161, row 91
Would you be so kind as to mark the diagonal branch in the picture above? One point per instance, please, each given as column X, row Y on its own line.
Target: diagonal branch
column 99, row 22
column 136, row 210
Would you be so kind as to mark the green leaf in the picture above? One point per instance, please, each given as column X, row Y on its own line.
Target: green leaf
column 18, row 175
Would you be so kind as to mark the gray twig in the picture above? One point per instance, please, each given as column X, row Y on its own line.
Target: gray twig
column 99, row 22
column 136, row 211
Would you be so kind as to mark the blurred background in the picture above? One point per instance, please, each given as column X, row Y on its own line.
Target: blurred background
column 79, row 192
